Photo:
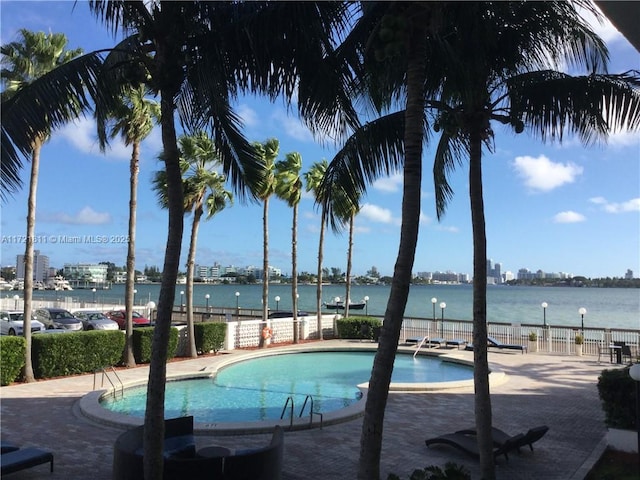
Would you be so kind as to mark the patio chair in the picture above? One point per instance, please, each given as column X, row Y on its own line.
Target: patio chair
column 500, row 437
column 469, row 444
column 24, row 458
column 493, row 342
column 625, row 351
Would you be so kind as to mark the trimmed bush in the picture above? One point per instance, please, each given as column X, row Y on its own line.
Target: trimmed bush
column 351, row 327
column 143, row 339
column 72, row 353
column 209, row 336
column 12, row 351
column 617, row 392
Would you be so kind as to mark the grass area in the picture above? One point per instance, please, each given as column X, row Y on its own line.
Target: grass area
column 615, row 465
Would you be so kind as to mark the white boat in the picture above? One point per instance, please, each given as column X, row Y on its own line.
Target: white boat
column 4, row 285
column 58, row 283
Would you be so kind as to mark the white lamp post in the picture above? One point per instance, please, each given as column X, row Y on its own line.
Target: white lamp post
column 366, row 305
column 15, row 301
column 582, row 312
column 544, row 306
column 134, row 295
column 277, row 299
column 150, row 307
column 206, row 297
column 238, row 304
column 434, row 300
column 634, row 372
column 94, row 294
column 442, row 307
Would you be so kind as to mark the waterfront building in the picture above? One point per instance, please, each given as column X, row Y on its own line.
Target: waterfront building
column 40, row 267
column 86, row 275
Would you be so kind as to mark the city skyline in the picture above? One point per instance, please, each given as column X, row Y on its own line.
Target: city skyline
column 563, row 207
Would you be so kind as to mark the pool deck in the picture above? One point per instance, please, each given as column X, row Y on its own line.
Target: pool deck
column 558, row 391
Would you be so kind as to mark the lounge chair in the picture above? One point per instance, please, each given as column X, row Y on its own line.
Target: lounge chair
column 24, row 458
column 469, row 444
column 6, row 447
column 500, row 437
column 492, row 342
column 456, row 342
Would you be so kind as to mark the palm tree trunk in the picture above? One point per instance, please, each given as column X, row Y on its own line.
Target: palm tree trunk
column 323, row 217
column 154, row 414
column 349, row 263
column 265, row 267
column 372, row 425
column 294, row 273
column 191, row 262
column 28, row 259
column 129, row 359
column 482, row 398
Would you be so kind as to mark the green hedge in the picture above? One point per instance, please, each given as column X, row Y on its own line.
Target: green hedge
column 209, row 336
column 351, row 327
column 63, row 354
column 617, row 392
column 143, row 339
column 11, row 358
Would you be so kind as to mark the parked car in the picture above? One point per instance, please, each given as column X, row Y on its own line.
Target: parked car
column 95, row 320
column 120, row 317
column 11, row 323
column 58, row 318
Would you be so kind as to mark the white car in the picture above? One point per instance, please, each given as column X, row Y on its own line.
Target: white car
column 11, row 323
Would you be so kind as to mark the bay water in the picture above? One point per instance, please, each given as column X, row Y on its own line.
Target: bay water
column 606, row 307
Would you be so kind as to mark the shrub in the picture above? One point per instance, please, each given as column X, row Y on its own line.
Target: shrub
column 351, row 327
column 579, row 339
column 451, row 471
column 617, row 393
column 533, row 336
column 143, row 339
column 62, row 354
column 209, row 336
column 12, row 351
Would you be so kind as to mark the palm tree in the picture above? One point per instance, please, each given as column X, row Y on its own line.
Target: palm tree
column 289, row 189
column 509, row 37
column 133, row 120
column 195, row 56
column 24, row 61
column 314, row 178
column 203, row 192
column 267, row 152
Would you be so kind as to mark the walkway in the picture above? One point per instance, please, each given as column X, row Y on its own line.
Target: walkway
column 559, row 391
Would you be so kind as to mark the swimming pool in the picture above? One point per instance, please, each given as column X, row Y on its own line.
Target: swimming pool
column 257, row 389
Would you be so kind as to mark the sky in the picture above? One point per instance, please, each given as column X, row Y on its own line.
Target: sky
column 550, row 207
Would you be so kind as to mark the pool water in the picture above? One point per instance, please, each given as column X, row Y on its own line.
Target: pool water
column 257, row 389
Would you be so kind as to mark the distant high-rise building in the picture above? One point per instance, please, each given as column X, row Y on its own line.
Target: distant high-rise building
column 629, row 274
column 40, row 267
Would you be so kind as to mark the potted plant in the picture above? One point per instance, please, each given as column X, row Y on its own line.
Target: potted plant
column 533, row 342
column 579, row 340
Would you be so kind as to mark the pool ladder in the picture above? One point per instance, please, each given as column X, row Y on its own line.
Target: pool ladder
column 114, row 387
column 289, row 403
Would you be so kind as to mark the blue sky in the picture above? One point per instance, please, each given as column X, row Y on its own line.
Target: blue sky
column 558, row 208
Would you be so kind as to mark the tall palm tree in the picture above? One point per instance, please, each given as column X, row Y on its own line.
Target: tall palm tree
column 313, row 178
column 509, row 37
column 195, row 56
column 133, row 120
column 204, row 192
column 24, row 62
column 267, row 152
column 289, row 189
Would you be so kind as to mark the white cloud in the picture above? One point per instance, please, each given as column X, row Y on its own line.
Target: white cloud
column 86, row 216
column 292, row 126
column 82, row 135
column 248, row 115
column 378, row 214
column 544, row 175
column 424, row 218
column 390, row 184
column 632, row 205
column 444, row 228
column 569, row 217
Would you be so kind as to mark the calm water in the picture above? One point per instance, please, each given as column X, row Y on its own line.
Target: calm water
column 257, row 389
column 606, row 307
